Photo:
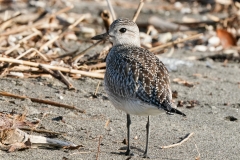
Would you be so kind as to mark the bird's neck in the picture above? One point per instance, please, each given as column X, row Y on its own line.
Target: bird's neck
column 127, row 44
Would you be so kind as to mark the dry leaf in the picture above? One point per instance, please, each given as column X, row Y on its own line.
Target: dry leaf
column 189, row 104
column 226, row 38
column 180, row 104
column 175, row 94
column 192, row 103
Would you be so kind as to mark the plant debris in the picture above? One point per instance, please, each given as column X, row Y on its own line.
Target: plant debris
column 13, row 139
column 188, row 104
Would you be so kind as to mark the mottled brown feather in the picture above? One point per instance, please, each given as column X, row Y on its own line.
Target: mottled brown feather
column 147, row 76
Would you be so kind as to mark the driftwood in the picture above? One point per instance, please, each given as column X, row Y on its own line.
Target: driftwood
column 15, row 139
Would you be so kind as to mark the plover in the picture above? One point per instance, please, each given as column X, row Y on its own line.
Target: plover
column 136, row 81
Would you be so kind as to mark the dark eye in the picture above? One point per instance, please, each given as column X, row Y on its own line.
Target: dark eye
column 123, row 30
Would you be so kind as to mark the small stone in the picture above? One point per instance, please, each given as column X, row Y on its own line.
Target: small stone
column 231, row 118
column 213, row 107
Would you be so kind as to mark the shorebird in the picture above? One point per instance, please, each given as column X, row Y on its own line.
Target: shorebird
column 136, row 81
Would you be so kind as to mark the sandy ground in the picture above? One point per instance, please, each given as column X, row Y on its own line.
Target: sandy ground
column 214, row 135
column 216, row 88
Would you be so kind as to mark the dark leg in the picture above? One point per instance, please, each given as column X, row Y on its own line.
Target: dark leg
column 128, row 152
column 145, row 155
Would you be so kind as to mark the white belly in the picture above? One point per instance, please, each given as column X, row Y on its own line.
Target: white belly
column 133, row 106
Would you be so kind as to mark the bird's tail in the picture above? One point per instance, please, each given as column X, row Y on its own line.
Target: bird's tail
column 168, row 107
column 173, row 110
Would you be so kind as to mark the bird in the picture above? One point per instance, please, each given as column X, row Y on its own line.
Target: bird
column 136, row 81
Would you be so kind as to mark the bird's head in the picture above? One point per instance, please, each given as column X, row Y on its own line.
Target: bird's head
column 122, row 32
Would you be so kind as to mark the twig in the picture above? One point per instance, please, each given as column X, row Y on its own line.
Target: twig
column 65, row 81
column 176, row 42
column 149, row 29
column 98, row 151
column 36, row 32
column 99, row 71
column 111, row 9
column 38, row 75
column 20, row 29
column 69, row 53
column 58, row 76
column 33, row 49
column 70, row 27
column 23, row 28
column 3, row 93
column 48, row 43
column 99, row 65
column 95, row 93
column 81, row 54
column 12, row 49
column 138, row 10
column 63, row 10
column 24, row 68
column 107, row 123
column 198, row 157
column 94, row 66
column 48, row 70
column 179, row 143
column 14, row 16
column 22, row 55
column 78, row 21
column 107, row 19
column 63, row 69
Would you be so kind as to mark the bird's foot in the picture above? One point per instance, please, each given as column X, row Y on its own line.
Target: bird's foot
column 145, row 155
column 129, row 153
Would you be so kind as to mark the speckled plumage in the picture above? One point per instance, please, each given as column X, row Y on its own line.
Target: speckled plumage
column 136, row 81
column 135, row 74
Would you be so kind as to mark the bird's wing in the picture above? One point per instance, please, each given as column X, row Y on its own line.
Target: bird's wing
column 151, row 77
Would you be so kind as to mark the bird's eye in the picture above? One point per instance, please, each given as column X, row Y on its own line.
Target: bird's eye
column 123, row 30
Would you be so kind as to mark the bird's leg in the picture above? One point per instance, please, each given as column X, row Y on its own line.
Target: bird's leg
column 145, row 155
column 128, row 152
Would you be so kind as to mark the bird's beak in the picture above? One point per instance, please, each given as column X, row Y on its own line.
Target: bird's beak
column 100, row 36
